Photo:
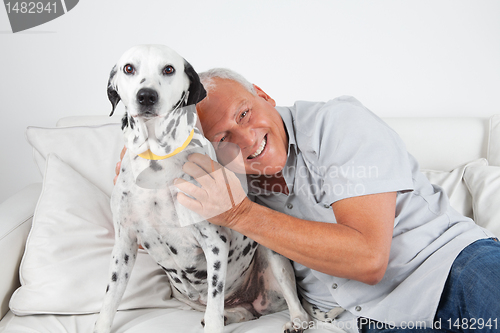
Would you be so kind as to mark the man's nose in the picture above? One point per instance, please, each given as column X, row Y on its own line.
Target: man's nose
column 245, row 138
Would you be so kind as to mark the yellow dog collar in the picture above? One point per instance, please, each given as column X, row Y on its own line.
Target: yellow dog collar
column 148, row 154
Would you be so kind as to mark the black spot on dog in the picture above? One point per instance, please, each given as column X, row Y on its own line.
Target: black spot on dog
column 155, row 165
column 190, row 117
column 146, row 245
column 254, row 245
column 217, row 265
column 114, row 277
column 107, row 288
column 170, row 270
column 202, row 275
column 215, row 279
column 173, row 133
column 126, row 258
column 116, row 261
column 220, row 286
column 124, row 121
column 230, row 253
column 191, row 270
column 224, row 239
column 245, row 237
column 214, row 294
column 215, row 250
column 143, row 80
column 176, row 280
column 197, row 142
column 173, row 249
column 131, row 121
column 247, row 249
column 184, row 276
column 170, row 125
column 126, row 275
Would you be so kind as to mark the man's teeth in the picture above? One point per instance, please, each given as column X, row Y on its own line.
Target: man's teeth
column 261, row 148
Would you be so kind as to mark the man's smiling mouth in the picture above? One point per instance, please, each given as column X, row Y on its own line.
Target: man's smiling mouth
column 260, row 150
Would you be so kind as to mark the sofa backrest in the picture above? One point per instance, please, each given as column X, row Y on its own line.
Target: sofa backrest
column 437, row 143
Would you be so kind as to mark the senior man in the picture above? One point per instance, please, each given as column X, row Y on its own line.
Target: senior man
column 333, row 188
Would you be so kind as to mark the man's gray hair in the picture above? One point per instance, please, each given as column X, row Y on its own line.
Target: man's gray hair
column 207, row 77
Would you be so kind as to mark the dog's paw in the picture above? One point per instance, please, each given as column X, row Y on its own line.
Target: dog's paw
column 292, row 328
column 225, row 321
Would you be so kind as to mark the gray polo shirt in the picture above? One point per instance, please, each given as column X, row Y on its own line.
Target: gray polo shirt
column 339, row 149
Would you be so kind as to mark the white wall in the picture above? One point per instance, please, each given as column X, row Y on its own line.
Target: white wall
column 398, row 57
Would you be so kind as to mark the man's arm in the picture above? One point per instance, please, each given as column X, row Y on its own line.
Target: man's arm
column 357, row 247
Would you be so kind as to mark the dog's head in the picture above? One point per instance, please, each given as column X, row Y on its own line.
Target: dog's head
column 153, row 82
column 152, row 79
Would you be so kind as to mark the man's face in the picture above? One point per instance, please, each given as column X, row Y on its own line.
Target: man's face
column 231, row 116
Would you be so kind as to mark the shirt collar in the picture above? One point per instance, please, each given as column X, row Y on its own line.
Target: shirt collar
column 286, row 116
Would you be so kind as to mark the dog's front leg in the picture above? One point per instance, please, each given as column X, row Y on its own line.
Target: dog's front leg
column 283, row 272
column 123, row 259
column 214, row 242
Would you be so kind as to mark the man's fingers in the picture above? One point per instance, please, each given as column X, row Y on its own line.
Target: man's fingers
column 117, row 167
column 191, row 189
column 123, row 153
column 189, row 203
column 205, row 162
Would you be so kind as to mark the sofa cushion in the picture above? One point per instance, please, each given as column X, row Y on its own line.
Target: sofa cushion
column 454, row 186
column 91, row 150
column 65, row 268
column 484, row 185
column 494, row 142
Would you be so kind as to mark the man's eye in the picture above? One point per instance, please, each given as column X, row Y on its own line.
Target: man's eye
column 243, row 114
column 222, row 139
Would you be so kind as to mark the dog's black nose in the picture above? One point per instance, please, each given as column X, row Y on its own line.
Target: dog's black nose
column 147, row 96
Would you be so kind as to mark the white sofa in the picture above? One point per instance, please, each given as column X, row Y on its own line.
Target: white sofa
column 62, row 265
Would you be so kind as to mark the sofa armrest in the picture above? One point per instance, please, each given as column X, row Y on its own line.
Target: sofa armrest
column 16, row 215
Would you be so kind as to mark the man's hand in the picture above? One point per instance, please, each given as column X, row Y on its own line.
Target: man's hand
column 221, row 199
column 119, row 164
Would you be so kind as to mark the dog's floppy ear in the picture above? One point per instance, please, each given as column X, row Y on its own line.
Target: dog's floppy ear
column 113, row 96
column 196, row 90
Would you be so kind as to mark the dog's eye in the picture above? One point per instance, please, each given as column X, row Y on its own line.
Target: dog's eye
column 168, row 70
column 128, row 69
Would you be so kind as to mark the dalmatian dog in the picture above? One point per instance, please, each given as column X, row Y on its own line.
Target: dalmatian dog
column 211, row 268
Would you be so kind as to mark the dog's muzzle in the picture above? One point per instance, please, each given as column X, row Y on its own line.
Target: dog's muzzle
column 147, row 98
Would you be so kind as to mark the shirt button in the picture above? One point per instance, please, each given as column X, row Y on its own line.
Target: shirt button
column 335, row 286
column 326, row 206
column 289, row 206
column 358, row 308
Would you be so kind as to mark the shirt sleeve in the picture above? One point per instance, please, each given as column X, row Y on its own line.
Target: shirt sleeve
column 353, row 151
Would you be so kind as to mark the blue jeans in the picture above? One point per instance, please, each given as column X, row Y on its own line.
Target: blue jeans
column 470, row 301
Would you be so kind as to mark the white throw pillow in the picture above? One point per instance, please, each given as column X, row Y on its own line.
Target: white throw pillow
column 65, row 267
column 484, row 185
column 494, row 142
column 454, row 186
column 91, row 150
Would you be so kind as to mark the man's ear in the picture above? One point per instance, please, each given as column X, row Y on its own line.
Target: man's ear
column 113, row 96
column 196, row 90
column 265, row 96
